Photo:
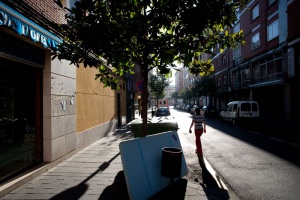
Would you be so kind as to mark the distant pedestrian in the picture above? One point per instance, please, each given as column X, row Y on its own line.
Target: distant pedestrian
column 200, row 126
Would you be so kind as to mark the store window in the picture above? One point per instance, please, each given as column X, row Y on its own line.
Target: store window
column 19, row 127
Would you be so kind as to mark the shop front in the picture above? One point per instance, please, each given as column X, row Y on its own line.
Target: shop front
column 20, row 106
column 22, row 60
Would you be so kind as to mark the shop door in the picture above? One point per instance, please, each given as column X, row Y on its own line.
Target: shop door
column 20, row 117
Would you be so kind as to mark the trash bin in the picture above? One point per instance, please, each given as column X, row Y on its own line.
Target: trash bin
column 171, row 162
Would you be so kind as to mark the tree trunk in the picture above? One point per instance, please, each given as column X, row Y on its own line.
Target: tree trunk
column 145, row 95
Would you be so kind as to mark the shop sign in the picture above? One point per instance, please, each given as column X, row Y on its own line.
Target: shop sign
column 31, row 31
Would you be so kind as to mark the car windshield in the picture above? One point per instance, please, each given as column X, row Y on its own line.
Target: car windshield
column 162, row 109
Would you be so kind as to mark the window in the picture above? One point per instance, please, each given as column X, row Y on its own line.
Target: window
column 256, row 71
column 70, row 4
column 224, row 59
column 224, row 79
column 219, row 82
column 245, row 107
column 273, row 30
column 255, row 12
column 236, row 52
column 263, row 72
column 245, row 76
column 270, row 2
column 255, row 42
column 254, row 107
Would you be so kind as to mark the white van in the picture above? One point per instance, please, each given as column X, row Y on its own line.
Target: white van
column 240, row 111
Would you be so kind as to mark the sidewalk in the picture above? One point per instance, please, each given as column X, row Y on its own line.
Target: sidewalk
column 96, row 172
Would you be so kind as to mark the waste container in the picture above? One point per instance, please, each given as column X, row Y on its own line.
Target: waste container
column 171, row 162
column 154, row 126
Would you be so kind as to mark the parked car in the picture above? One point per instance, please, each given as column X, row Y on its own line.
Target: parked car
column 162, row 111
column 182, row 106
column 240, row 111
column 210, row 111
column 187, row 108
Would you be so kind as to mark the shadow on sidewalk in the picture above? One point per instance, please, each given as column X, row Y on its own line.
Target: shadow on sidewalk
column 210, row 185
column 78, row 191
column 174, row 191
column 117, row 190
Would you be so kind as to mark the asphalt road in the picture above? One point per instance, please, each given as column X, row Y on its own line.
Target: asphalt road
column 252, row 164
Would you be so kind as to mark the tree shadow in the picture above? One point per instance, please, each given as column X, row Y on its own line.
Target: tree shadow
column 77, row 191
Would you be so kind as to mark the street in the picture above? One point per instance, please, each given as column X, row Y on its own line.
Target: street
column 253, row 165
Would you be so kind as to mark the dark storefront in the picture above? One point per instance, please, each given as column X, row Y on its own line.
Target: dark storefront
column 20, row 105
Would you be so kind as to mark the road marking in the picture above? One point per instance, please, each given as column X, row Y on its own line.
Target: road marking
column 215, row 175
column 213, row 172
column 295, row 144
column 255, row 133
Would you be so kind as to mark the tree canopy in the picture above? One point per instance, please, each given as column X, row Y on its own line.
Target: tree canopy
column 205, row 86
column 115, row 35
column 157, row 84
column 174, row 95
column 185, row 94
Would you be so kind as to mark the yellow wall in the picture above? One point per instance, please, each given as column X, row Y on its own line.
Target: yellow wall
column 95, row 104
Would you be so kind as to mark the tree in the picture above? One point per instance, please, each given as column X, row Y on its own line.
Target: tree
column 186, row 94
column 157, row 84
column 115, row 35
column 204, row 86
column 175, row 95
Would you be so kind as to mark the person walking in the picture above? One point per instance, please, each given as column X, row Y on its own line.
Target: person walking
column 198, row 122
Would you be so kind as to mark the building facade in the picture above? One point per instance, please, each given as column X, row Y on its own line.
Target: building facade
column 49, row 109
column 266, row 69
column 179, row 85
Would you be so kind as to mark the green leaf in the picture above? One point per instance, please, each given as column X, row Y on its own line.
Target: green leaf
column 226, row 33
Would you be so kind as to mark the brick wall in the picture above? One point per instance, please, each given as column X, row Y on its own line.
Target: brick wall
column 293, row 20
column 42, row 12
column 247, row 25
column 48, row 9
